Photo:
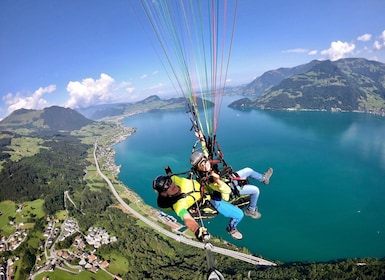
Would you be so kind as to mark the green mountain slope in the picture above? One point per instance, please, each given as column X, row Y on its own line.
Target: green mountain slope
column 274, row 77
column 49, row 120
column 39, row 158
column 353, row 84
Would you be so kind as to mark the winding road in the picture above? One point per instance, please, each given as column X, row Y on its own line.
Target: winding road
column 234, row 254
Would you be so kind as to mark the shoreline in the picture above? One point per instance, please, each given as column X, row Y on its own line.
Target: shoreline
column 173, row 233
column 139, row 124
column 380, row 113
column 108, row 151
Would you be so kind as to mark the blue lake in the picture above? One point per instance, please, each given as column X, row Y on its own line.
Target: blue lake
column 326, row 199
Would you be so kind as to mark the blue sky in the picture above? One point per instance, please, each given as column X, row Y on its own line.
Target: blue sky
column 78, row 53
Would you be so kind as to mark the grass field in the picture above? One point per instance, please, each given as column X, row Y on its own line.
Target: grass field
column 118, row 264
column 84, row 275
column 25, row 147
column 10, row 212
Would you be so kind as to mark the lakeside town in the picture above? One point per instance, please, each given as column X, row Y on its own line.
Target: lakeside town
column 81, row 254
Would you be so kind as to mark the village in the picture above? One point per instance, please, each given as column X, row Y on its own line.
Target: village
column 81, row 254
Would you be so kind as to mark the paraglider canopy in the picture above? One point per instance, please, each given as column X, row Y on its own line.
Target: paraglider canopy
column 195, row 37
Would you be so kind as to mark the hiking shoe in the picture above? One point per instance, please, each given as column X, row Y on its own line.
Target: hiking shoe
column 234, row 233
column 267, row 176
column 253, row 213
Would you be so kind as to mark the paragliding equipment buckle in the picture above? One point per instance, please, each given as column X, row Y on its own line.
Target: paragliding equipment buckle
column 213, row 273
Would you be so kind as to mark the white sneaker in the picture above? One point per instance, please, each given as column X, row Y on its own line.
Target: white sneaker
column 234, row 233
column 253, row 213
column 267, row 176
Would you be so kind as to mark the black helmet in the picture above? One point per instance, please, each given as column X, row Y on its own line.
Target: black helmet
column 161, row 183
column 196, row 157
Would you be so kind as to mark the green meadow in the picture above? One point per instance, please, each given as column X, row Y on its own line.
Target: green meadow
column 13, row 215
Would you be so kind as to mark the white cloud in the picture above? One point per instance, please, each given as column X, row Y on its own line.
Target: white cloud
column 35, row 101
column 301, row 50
column 380, row 44
column 366, row 37
column 338, row 50
column 144, row 76
column 382, row 36
column 377, row 45
column 90, row 92
column 297, row 50
column 122, row 85
column 157, row 86
column 130, row 89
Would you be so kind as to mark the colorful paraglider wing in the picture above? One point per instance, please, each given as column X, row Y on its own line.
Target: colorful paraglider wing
column 195, row 38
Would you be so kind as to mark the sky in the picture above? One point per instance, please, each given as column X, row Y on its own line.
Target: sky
column 78, row 53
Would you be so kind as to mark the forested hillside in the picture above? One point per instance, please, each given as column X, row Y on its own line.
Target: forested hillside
column 58, row 166
column 40, row 157
column 50, row 120
column 352, row 84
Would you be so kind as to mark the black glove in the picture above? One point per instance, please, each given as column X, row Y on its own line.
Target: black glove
column 202, row 234
column 216, row 195
column 227, row 170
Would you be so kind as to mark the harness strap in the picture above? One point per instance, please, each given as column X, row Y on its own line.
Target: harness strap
column 235, row 178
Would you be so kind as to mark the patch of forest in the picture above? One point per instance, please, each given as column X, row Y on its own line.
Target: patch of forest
column 58, row 167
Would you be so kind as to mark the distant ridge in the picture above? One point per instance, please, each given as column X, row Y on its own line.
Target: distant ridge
column 53, row 119
column 274, row 77
column 151, row 103
column 352, row 84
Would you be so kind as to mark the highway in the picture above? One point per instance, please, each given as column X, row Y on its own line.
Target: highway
column 234, row 254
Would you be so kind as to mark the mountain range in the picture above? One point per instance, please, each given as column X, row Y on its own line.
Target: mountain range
column 150, row 103
column 50, row 120
column 352, row 84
